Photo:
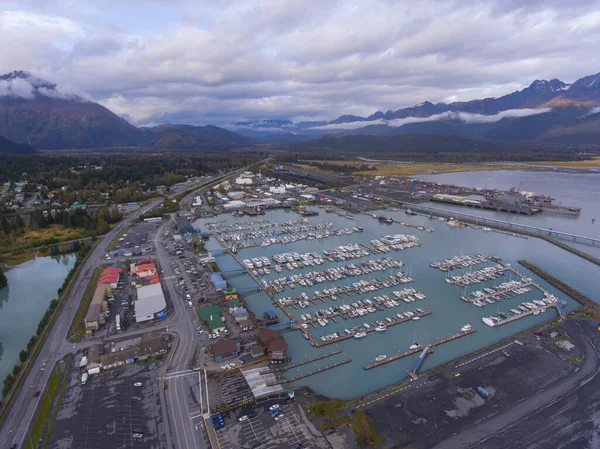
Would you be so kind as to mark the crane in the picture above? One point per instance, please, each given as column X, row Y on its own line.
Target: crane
column 519, row 189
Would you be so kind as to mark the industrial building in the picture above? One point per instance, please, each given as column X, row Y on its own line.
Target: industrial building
column 225, row 349
column 95, row 314
column 151, row 344
column 150, row 304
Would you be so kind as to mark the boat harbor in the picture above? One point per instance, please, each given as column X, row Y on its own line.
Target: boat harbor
column 386, row 359
column 347, row 288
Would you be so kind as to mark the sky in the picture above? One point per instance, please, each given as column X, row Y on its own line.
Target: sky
column 219, row 61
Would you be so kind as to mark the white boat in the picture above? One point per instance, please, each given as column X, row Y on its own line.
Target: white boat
column 379, row 358
column 488, row 321
column 381, row 328
column 415, row 318
column 415, row 345
column 360, row 335
column 466, row 328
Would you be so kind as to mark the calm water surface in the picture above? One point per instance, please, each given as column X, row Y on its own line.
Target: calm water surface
column 449, row 312
column 31, row 287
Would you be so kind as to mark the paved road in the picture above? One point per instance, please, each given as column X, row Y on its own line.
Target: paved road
column 19, row 417
column 477, row 436
column 21, row 413
column 178, row 391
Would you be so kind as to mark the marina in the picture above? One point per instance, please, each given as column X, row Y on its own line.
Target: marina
column 328, row 311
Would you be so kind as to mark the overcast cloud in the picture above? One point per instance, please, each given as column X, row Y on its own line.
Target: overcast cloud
column 221, row 61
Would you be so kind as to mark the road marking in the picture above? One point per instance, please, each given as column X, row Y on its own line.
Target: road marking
column 364, row 404
column 485, row 354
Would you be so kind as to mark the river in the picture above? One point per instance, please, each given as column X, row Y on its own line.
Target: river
column 449, row 312
column 31, row 287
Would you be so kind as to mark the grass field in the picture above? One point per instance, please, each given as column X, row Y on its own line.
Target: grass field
column 77, row 328
column 399, row 169
column 40, row 237
column 593, row 163
column 43, row 411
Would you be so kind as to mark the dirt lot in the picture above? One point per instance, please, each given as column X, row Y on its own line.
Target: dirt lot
column 537, row 382
column 108, row 410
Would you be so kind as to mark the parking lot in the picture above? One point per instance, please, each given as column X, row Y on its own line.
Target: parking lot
column 288, row 429
column 227, row 389
column 109, row 411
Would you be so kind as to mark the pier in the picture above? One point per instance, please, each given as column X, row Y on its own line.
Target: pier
column 304, row 362
column 420, row 348
column 395, row 321
column 507, row 225
column 523, row 314
column 310, row 373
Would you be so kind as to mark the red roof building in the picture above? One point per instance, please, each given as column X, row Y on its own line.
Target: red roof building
column 110, row 276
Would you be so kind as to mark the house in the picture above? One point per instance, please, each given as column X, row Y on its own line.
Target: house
column 225, row 349
column 274, row 345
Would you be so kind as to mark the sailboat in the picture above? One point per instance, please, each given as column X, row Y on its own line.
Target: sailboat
column 415, row 345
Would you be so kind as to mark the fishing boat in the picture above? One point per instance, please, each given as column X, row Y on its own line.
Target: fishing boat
column 360, row 335
column 379, row 358
column 415, row 345
column 466, row 328
column 381, row 328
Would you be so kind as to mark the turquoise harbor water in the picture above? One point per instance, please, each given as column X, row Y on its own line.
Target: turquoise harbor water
column 449, row 312
column 31, row 287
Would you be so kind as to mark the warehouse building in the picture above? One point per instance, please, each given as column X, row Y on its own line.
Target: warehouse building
column 95, row 314
column 150, row 304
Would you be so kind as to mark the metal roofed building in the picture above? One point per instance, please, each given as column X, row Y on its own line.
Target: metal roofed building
column 150, row 304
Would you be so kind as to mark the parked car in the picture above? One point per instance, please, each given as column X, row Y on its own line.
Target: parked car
column 279, row 416
column 274, row 407
column 138, row 384
column 243, row 418
column 138, row 436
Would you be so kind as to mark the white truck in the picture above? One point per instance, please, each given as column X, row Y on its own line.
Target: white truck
column 118, row 322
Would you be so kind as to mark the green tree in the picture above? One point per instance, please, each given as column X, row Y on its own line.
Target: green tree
column 3, row 280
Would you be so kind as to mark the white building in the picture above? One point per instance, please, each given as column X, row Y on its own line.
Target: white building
column 150, row 304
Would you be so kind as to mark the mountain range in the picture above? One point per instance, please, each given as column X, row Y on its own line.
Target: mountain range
column 47, row 117
column 41, row 114
column 551, row 111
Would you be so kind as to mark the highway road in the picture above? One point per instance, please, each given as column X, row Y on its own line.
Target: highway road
column 19, row 417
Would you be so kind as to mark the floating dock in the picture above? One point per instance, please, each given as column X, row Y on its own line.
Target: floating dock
column 304, row 362
column 311, row 373
column 419, row 349
column 319, row 344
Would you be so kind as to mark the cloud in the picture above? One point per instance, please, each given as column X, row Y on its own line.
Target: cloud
column 28, row 88
column 18, row 88
column 450, row 115
column 218, row 62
